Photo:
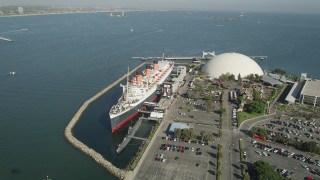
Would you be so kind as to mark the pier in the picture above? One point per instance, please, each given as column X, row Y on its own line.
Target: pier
column 121, row 174
column 140, row 138
column 6, row 39
column 204, row 56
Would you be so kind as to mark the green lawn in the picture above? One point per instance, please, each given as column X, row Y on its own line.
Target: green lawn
column 244, row 116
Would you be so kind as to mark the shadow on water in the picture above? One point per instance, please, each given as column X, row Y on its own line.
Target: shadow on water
column 15, row 171
column 94, row 130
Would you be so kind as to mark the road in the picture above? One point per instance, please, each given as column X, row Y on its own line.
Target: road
column 230, row 144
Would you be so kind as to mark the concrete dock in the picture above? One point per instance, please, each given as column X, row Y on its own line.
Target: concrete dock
column 121, row 174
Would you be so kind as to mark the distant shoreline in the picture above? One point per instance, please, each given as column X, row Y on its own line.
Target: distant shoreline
column 83, row 12
column 42, row 14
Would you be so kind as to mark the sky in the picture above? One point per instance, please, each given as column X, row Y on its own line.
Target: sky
column 293, row 6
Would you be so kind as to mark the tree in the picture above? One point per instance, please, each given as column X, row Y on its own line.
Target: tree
column 208, row 137
column 231, row 77
column 256, row 95
column 224, row 77
column 279, row 71
column 222, row 110
column 190, row 94
column 264, row 171
column 256, row 107
column 191, row 133
column 239, row 79
column 210, row 105
column 202, row 134
column 251, row 77
column 256, row 78
column 208, row 97
column 212, row 87
column 295, row 78
column 259, row 131
column 177, row 132
column 239, row 99
column 183, row 133
column 310, row 147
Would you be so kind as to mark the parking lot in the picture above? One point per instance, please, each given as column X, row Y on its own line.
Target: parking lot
column 298, row 129
column 170, row 159
column 287, row 160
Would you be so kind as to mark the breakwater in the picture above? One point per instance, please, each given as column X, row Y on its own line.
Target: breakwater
column 84, row 148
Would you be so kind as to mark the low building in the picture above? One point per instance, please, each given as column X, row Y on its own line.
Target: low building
column 310, row 93
column 177, row 126
column 270, row 80
column 294, row 93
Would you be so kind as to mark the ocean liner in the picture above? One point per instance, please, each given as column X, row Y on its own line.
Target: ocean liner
column 138, row 90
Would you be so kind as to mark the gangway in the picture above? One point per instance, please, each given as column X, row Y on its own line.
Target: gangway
column 151, row 119
column 146, row 112
column 139, row 138
column 150, row 104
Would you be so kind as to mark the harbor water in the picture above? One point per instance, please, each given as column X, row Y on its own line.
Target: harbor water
column 63, row 60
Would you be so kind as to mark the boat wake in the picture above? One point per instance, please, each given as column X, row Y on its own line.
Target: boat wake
column 18, row 30
column 152, row 32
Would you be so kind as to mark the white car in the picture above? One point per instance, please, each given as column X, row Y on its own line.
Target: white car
column 304, row 166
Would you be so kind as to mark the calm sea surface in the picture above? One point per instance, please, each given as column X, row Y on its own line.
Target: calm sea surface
column 63, row 60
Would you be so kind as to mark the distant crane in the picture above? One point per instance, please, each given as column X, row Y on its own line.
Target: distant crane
column 262, row 58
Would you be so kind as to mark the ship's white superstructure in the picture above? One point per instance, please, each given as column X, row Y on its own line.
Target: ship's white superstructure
column 141, row 87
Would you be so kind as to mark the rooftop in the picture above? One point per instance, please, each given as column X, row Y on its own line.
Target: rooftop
column 311, row 88
column 294, row 92
column 178, row 126
column 270, row 80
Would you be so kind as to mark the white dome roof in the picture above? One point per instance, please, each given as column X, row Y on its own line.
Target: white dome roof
column 233, row 63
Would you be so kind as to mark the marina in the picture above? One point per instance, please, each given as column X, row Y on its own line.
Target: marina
column 81, row 146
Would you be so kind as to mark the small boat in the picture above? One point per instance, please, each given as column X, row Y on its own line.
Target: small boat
column 131, row 30
column 12, row 73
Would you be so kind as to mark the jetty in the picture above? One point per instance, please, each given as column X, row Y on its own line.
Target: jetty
column 121, row 174
column 6, row 39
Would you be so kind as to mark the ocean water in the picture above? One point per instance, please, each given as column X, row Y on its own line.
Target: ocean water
column 63, row 60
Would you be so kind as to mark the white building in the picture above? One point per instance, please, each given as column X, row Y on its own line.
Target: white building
column 233, row 63
column 20, row 10
column 310, row 93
